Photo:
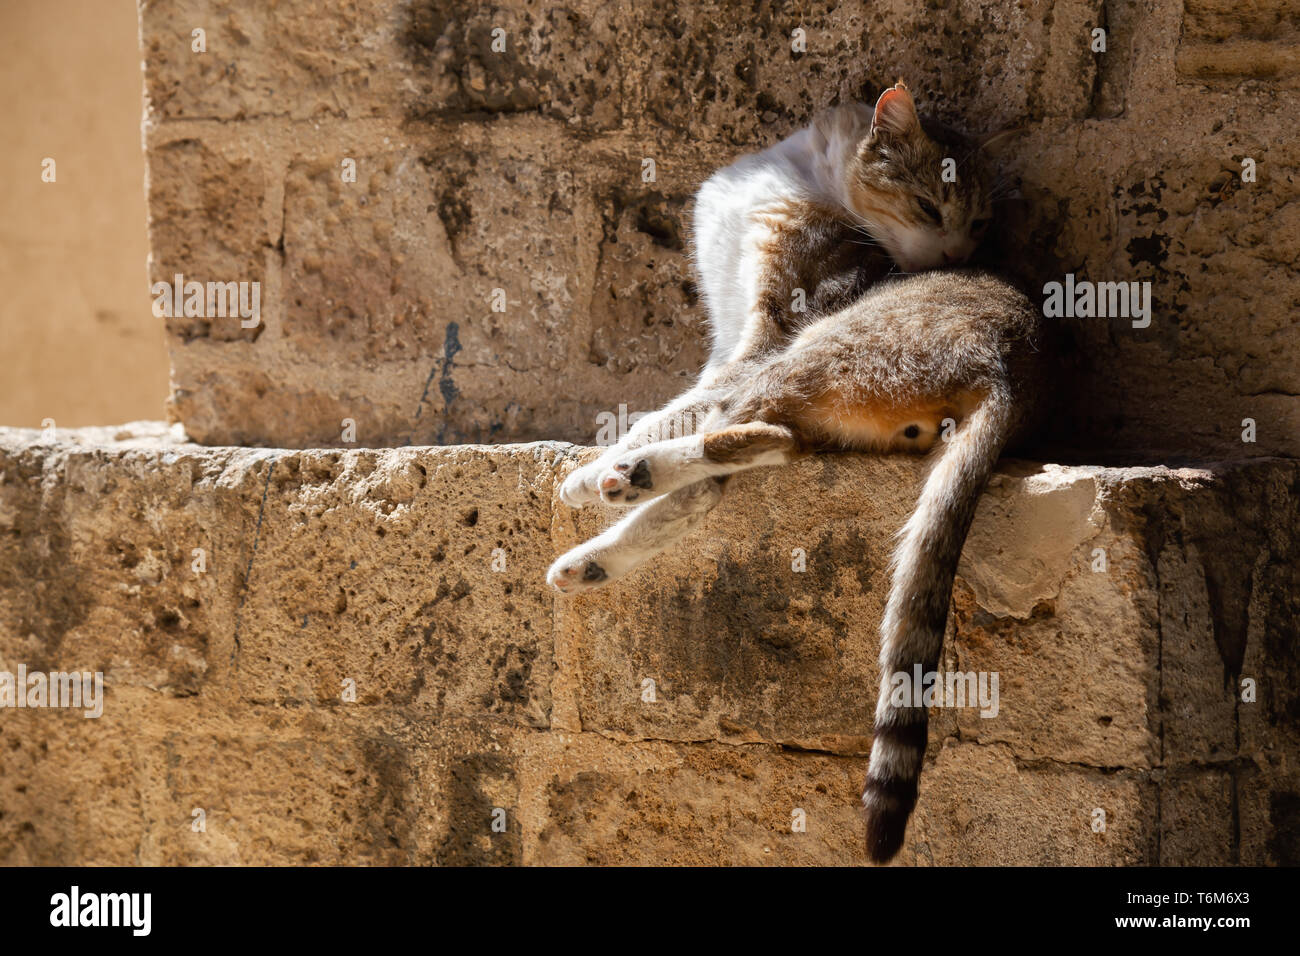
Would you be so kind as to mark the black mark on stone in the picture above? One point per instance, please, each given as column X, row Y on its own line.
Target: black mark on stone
column 1152, row 249
column 446, row 385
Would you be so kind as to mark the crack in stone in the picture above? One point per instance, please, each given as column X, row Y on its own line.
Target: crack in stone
column 257, row 540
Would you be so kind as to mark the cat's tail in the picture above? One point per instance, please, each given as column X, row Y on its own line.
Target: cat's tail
column 917, row 612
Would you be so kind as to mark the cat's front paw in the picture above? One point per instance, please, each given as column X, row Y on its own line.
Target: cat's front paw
column 626, row 481
column 580, row 487
column 576, row 571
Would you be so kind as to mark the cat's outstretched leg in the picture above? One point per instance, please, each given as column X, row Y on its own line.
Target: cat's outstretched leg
column 634, row 540
column 645, row 473
column 679, row 417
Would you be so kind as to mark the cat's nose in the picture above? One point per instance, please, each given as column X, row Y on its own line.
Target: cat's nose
column 950, row 258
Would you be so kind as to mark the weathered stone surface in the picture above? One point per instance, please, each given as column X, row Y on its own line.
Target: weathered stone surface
column 319, row 787
column 1264, row 794
column 1001, row 800
column 169, row 782
column 298, row 60
column 69, row 789
column 1066, row 628
column 738, row 640
column 1224, row 42
column 526, row 169
column 206, row 224
column 97, row 567
column 1219, row 348
column 587, row 800
column 595, row 66
column 414, row 579
column 417, row 574
column 1197, row 817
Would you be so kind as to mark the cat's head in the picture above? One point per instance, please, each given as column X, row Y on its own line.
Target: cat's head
column 921, row 190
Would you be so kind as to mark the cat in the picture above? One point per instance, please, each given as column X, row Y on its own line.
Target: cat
column 892, row 356
column 852, row 199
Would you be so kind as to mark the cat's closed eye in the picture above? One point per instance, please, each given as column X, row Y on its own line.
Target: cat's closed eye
column 929, row 209
column 979, row 226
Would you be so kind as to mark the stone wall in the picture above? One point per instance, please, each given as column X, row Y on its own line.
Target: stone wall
column 522, row 171
column 416, row 574
column 348, row 655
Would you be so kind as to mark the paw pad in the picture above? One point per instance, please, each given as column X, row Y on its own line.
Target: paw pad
column 639, row 477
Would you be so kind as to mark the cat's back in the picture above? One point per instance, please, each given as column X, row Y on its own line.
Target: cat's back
column 957, row 327
column 949, row 301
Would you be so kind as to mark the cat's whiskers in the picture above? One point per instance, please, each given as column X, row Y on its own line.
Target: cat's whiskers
column 868, row 238
column 862, row 224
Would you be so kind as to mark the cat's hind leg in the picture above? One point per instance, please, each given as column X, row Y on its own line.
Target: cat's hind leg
column 644, row 473
column 635, row 539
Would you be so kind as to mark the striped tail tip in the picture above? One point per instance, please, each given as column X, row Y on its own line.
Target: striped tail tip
column 886, row 807
column 889, row 794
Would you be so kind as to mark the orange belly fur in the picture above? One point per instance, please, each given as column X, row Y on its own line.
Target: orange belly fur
column 881, row 424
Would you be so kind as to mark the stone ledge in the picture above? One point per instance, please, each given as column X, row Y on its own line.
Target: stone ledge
column 417, row 573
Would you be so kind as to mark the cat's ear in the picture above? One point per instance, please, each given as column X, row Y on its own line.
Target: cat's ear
column 895, row 112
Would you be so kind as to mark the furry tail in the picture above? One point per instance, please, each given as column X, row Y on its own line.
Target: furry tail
column 916, row 614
